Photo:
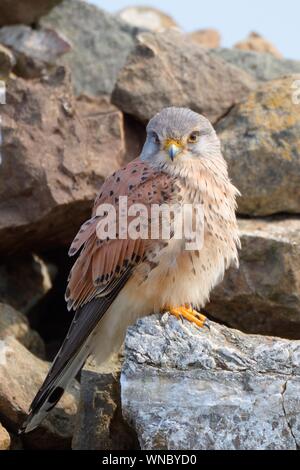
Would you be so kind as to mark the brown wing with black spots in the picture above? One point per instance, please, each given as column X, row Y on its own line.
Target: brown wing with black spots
column 103, row 261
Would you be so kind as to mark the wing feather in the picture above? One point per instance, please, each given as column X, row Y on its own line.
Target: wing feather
column 100, row 272
column 74, row 351
column 108, row 258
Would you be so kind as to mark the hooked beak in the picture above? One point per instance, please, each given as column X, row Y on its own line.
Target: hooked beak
column 173, row 149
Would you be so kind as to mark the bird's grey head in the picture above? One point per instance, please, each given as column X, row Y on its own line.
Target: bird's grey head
column 176, row 136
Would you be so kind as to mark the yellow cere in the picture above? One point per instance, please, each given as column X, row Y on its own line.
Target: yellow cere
column 169, row 142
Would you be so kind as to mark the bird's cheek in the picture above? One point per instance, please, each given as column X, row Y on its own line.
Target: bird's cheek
column 194, row 151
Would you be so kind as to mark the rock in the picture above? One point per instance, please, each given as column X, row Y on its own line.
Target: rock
column 263, row 296
column 26, row 12
column 211, row 389
column 100, row 425
column 35, row 50
column 16, row 443
column 165, row 69
column 7, row 62
column 147, row 18
column 13, row 323
column 21, row 374
column 56, row 153
column 101, row 43
column 28, row 276
column 261, row 143
column 209, row 38
column 135, row 136
column 4, row 439
column 262, row 67
column 255, row 42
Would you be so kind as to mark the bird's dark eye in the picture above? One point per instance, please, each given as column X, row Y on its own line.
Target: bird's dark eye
column 155, row 138
column 194, row 137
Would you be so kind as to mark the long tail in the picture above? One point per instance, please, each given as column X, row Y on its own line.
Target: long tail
column 71, row 357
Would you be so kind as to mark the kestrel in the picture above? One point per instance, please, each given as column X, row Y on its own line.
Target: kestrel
column 118, row 279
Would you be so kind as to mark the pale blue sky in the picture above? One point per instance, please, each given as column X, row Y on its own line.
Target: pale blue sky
column 277, row 20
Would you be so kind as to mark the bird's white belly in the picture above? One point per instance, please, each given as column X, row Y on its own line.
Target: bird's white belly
column 172, row 283
column 178, row 277
column 183, row 277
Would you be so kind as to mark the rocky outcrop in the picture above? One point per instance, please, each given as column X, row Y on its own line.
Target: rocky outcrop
column 27, row 12
column 55, row 155
column 210, row 389
column 209, row 38
column 263, row 295
column 100, row 425
column 262, row 67
column 4, row 439
column 255, row 42
column 100, row 41
column 24, row 280
column 21, row 375
column 13, row 323
column 180, row 387
column 261, row 141
column 167, row 70
column 34, row 50
column 147, row 18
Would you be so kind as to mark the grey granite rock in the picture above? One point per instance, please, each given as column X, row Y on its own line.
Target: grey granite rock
column 34, row 50
column 101, row 43
column 215, row 388
column 263, row 67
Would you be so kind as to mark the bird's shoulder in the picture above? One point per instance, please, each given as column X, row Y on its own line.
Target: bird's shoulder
column 103, row 261
column 137, row 181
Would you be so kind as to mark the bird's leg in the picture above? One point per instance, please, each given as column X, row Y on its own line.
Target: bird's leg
column 188, row 313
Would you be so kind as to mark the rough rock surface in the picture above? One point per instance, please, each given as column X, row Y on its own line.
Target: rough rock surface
column 209, row 38
column 216, row 388
column 261, row 143
column 24, row 280
column 7, row 62
column 34, row 50
column 4, row 439
column 263, row 295
column 13, row 323
column 147, row 18
column 135, row 136
column 262, row 67
column 255, row 42
column 27, row 12
column 101, row 43
column 21, row 374
column 56, row 153
column 100, row 425
column 164, row 70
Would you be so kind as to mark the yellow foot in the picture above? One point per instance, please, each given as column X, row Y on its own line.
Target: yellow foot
column 189, row 314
